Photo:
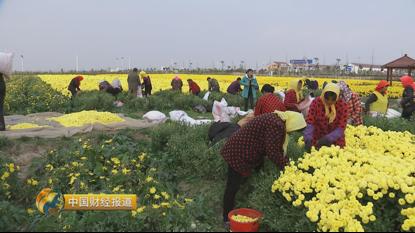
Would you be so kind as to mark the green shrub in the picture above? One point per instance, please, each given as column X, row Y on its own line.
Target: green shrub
column 93, row 100
column 397, row 124
column 29, row 94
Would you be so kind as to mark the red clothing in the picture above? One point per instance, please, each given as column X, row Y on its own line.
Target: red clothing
column 194, row 88
column 269, row 103
column 317, row 118
column 355, row 110
column 262, row 137
column 291, row 101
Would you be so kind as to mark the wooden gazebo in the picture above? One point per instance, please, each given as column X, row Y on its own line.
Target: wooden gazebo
column 403, row 63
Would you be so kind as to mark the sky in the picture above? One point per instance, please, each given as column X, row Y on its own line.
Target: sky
column 50, row 34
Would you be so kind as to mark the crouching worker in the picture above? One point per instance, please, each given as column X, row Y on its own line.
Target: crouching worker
column 113, row 89
column 269, row 102
column 327, row 120
column 74, row 85
column 263, row 137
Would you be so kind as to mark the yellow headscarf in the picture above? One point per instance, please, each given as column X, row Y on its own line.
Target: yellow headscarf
column 294, row 86
column 331, row 112
column 143, row 74
column 293, row 121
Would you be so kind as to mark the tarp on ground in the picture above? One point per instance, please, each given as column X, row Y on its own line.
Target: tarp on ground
column 51, row 129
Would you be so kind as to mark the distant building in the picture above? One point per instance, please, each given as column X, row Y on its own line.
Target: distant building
column 298, row 65
column 358, row 68
column 278, row 67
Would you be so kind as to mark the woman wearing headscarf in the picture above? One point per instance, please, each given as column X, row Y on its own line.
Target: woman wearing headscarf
column 147, row 85
column 268, row 102
column 177, row 84
column 116, row 84
column 378, row 102
column 327, row 120
column 408, row 97
column 353, row 102
column 294, row 96
column 193, row 87
column 265, row 136
column 74, row 85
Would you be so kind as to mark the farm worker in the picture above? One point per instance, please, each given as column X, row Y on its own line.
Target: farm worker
column 104, row 85
column 408, row 97
column 327, row 119
column 117, row 87
column 193, row 87
column 312, row 86
column 235, row 87
column 353, row 102
column 147, row 85
column 134, row 82
column 213, row 85
column 2, row 97
column 177, row 84
column 251, row 86
column 378, row 102
column 74, row 85
column 265, row 136
column 294, row 96
column 269, row 102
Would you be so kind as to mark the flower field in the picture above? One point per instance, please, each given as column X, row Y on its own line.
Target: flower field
column 180, row 178
column 342, row 188
column 162, row 82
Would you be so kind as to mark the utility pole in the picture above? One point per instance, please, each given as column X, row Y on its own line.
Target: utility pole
column 22, row 57
column 129, row 63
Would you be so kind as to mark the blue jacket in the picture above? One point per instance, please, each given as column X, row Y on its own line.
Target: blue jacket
column 245, row 83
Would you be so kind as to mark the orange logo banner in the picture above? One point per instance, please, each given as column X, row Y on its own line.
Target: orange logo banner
column 101, row 202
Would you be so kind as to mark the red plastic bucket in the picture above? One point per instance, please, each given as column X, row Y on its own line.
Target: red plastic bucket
column 245, row 227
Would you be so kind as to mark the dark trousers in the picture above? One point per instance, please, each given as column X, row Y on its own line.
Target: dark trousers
column 408, row 112
column 2, row 97
column 249, row 101
column 147, row 92
column 232, row 187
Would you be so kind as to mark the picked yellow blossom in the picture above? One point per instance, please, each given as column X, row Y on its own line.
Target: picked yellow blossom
column 243, row 219
column 24, row 126
column 80, row 119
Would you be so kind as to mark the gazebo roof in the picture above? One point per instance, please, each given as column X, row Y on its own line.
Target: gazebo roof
column 404, row 62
